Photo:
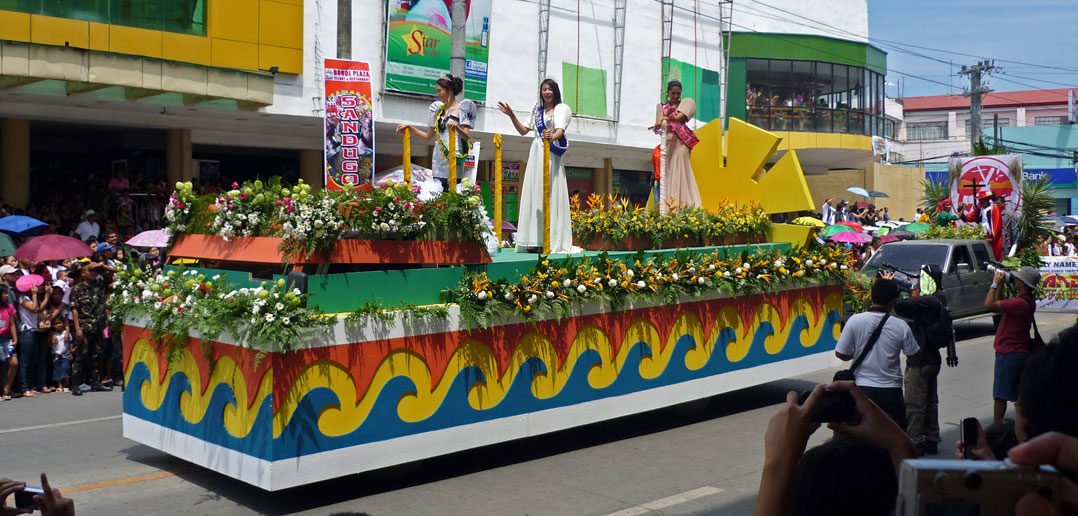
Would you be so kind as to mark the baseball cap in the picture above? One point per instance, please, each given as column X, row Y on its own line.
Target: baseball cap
column 984, row 195
column 1029, row 276
column 103, row 246
column 7, row 269
column 87, row 213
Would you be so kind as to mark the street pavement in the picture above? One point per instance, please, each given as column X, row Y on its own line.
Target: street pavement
column 700, row 458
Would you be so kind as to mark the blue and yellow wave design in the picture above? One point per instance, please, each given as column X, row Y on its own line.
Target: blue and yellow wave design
column 321, row 412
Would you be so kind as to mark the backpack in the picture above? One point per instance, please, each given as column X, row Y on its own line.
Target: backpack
column 940, row 333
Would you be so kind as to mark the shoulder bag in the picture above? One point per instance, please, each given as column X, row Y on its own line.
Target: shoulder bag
column 847, row 375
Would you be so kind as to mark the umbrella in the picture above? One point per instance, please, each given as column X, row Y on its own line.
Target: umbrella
column 877, row 193
column 902, row 234
column 916, row 228
column 1069, row 220
column 836, row 229
column 7, row 246
column 852, row 225
column 52, row 247
column 852, row 238
column 19, row 224
column 151, row 238
column 857, row 190
column 25, row 283
column 809, row 221
column 507, row 226
column 887, row 239
column 883, row 230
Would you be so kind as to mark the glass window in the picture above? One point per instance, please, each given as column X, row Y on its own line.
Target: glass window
column 987, row 124
column 1050, row 120
column 980, row 251
column 184, row 16
column 786, row 95
column 960, row 256
column 926, row 131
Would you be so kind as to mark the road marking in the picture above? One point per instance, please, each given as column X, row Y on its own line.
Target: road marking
column 157, row 475
column 669, row 501
column 55, row 425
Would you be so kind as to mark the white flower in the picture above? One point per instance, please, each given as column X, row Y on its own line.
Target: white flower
column 779, row 263
column 726, row 274
column 711, row 267
column 147, row 293
column 612, row 283
column 296, row 291
column 759, row 276
column 808, row 263
column 482, row 296
column 508, row 296
column 674, row 276
column 279, row 306
column 216, row 277
column 383, row 226
column 641, row 284
column 532, row 299
column 581, row 288
column 157, row 305
column 286, row 319
column 746, row 266
column 269, row 317
column 823, row 261
column 254, row 310
column 737, row 270
column 700, row 280
column 843, row 267
column 567, row 283
column 549, row 295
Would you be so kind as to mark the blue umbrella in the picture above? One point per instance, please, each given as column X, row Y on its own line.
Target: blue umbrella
column 20, row 224
column 856, row 190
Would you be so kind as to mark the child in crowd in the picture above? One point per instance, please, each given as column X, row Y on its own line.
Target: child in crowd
column 61, row 354
column 8, row 339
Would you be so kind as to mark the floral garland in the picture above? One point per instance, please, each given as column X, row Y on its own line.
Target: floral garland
column 556, row 289
column 614, row 220
column 309, row 222
column 179, row 302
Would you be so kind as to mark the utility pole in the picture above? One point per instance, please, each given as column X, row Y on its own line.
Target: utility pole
column 976, row 90
column 344, row 29
column 456, row 63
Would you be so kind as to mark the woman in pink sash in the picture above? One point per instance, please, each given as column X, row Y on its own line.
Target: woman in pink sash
column 681, row 190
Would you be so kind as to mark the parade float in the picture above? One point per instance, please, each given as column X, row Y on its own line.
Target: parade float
column 320, row 334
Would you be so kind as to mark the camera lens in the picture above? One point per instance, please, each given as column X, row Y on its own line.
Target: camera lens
column 972, row 480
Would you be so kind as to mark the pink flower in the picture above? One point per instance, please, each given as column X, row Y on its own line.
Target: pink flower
column 378, row 209
column 235, row 185
column 228, row 197
column 243, row 196
column 179, row 205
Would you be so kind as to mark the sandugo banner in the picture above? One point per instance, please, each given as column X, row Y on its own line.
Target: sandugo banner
column 1059, row 285
column 419, row 46
column 349, row 117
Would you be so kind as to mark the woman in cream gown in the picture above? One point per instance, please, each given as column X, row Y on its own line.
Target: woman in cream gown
column 681, row 190
column 555, row 119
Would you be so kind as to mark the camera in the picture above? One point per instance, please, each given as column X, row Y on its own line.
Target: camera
column 25, row 499
column 970, row 488
column 994, row 266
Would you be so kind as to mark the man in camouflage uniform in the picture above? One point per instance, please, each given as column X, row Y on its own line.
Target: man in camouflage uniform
column 88, row 311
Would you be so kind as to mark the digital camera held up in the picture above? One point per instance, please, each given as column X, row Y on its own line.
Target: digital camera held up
column 966, row 487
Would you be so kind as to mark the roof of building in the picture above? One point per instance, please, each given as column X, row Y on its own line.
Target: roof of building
column 996, row 99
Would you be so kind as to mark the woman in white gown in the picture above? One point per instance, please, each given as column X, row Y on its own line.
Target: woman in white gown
column 549, row 118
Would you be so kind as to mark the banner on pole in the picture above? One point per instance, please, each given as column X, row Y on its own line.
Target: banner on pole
column 1059, row 285
column 349, row 118
column 419, row 45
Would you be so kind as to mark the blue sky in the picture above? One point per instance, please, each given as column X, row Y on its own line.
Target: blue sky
column 1041, row 32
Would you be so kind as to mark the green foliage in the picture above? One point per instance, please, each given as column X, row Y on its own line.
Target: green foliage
column 934, row 192
column 964, row 232
column 980, row 148
column 1036, row 203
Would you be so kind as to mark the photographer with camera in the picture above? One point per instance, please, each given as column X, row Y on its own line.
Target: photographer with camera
column 930, row 322
column 854, row 473
column 877, row 340
column 46, row 499
column 1012, row 342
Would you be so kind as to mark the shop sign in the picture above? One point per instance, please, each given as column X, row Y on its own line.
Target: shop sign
column 1057, row 177
column 419, row 45
column 349, row 124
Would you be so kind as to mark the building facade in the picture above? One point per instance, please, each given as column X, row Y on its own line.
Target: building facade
column 231, row 89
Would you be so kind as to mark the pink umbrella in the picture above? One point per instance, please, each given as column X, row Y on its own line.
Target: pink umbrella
column 851, row 238
column 151, row 238
column 52, row 247
column 25, row 283
column 887, row 239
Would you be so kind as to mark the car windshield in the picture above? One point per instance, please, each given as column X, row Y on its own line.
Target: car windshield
column 907, row 258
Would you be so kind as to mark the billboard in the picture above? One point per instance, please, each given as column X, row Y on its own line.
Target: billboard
column 349, row 124
column 999, row 175
column 419, row 45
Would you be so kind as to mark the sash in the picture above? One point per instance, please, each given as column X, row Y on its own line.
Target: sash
column 557, row 147
column 682, row 131
column 439, row 126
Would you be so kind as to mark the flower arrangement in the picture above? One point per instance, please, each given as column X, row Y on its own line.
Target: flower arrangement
column 309, row 222
column 179, row 208
column 460, row 215
column 615, row 220
column 964, row 232
column 181, row 301
column 247, row 211
column 390, row 211
column 557, row 289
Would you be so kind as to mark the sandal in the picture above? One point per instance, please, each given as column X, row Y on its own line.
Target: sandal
column 29, row 394
column 7, row 398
